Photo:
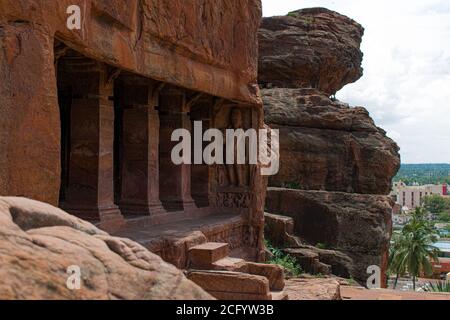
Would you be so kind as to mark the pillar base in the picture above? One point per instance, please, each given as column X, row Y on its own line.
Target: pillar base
column 102, row 214
column 149, row 209
column 189, row 206
column 180, row 205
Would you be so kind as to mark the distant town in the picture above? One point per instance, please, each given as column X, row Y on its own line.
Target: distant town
column 425, row 188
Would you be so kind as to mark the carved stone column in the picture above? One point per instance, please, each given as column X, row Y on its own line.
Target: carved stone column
column 90, row 192
column 140, row 148
column 175, row 180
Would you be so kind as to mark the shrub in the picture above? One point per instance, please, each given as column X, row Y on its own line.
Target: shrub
column 288, row 262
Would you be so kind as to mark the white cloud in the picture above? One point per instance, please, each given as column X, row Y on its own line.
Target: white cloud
column 406, row 82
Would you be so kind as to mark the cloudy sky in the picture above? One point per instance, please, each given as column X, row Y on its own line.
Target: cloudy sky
column 406, row 83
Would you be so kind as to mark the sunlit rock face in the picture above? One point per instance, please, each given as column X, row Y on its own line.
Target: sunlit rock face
column 336, row 157
column 314, row 47
column 40, row 243
column 328, row 145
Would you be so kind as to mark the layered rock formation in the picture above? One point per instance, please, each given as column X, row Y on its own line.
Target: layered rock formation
column 339, row 161
column 314, row 47
column 327, row 145
column 38, row 243
column 351, row 230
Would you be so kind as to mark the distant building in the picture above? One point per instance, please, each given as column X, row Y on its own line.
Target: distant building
column 411, row 197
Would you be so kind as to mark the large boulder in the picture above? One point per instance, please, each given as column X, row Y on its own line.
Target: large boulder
column 315, row 47
column 356, row 225
column 337, row 163
column 327, row 145
column 38, row 243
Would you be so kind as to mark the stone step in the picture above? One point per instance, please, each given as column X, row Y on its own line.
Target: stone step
column 274, row 273
column 204, row 255
column 229, row 285
column 309, row 261
column 229, row 264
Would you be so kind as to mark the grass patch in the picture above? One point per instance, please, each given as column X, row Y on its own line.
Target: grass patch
column 288, row 262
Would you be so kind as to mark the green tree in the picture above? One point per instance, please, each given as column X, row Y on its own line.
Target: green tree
column 435, row 203
column 413, row 249
column 397, row 263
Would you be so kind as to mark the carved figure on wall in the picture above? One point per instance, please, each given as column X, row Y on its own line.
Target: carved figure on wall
column 235, row 173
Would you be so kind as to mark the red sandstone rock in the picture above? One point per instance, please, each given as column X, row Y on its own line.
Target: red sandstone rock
column 95, row 139
column 313, row 289
column 29, row 129
column 357, row 226
column 209, row 48
column 204, row 255
column 327, row 145
column 227, row 285
column 280, row 231
column 274, row 273
column 39, row 242
column 214, row 256
column 314, row 47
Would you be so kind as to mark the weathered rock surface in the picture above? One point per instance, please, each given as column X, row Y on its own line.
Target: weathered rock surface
column 39, row 242
column 327, row 145
column 315, row 48
column 210, row 47
column 279, row 230
column 355, row 228
column 229, row 285
column 313, row 289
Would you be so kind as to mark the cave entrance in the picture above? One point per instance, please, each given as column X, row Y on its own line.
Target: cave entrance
column 116, row 145
column 85, row 96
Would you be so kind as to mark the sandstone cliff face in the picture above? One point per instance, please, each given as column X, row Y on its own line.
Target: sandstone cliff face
column 356, row 226
column 341, row 163
column 210, row 47
column 327, row 145
column 39, row 242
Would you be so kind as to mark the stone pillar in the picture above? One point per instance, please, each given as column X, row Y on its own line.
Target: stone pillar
column 200, row 173
column 90, row 192
column 175, row 180
column 140, row 148
column 29, row 113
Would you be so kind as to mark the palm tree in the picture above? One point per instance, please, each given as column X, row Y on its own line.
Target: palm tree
column 396, row 261
column 414, row 248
